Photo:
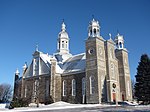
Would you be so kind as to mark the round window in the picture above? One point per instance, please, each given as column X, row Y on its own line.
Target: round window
column 91, row 51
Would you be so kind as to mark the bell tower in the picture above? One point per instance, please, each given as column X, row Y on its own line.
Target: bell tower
column 119, row 41
column 124, row 71
column 94, row 29
column 62, row 45
column 95, row 65
column 63, row 41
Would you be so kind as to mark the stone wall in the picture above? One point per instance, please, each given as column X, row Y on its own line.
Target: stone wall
column 78, row 97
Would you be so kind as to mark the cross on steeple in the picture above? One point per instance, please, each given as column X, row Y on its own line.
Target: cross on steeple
column 37, row 47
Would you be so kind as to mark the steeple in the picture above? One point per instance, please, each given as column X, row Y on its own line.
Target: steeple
column 63, row 27
column 94, row 29
column 63, row 40
column 119, row 41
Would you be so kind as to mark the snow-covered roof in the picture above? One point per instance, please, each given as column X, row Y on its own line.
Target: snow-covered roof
column 74, row 63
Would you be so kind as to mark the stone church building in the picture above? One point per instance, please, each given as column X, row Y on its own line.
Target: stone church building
column 101, row 74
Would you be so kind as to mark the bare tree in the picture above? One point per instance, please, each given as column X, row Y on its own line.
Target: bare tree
column 5, row 92
column 133, row 90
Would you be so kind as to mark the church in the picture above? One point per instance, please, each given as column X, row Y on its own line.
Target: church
column 101, row 74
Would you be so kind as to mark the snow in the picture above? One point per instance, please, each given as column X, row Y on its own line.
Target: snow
column 2, row 106
column 65, row 105
column 60, row 103
column 75, row 64
column 54, row 106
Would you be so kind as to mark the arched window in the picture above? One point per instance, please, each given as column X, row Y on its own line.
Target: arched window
column 73, row 87
column 97, row 30
column 92, row 85
column 94, row 31
column 83, row 86
column 91, row 31
column 120, row 44
column 66, row 44
column 64, row 88
column 63, row 44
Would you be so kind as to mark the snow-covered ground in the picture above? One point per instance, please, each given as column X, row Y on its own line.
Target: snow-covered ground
column 64, row 105
column 54, row 106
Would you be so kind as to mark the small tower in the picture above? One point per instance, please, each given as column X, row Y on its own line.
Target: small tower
column 124, row 71
column 119, row 41
column 95, row 59
column 113, row 89
column 94, row 29
column 62, row 45
column 63, row 41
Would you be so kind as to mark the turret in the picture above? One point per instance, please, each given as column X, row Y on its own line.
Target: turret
column 62, row 45
column 63, row 41
column 124, row 71
column 94, row 29
column 119, row 41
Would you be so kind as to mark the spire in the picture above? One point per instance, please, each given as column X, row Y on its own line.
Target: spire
column 63, row 26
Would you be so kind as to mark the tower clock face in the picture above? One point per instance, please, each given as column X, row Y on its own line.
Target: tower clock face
column 91, row 51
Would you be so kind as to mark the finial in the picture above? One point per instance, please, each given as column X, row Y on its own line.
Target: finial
column 93, row 17
column 118, row 32
column 63, row 20
column 37, row 47
column 110, row 35
column 63, row 26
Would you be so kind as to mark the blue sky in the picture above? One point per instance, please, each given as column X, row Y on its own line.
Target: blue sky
column 24, row 23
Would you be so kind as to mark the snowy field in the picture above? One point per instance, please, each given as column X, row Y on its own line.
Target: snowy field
column 63, row 107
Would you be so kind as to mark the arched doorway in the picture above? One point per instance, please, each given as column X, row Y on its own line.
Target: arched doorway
column 114, row 96
column 122, row 97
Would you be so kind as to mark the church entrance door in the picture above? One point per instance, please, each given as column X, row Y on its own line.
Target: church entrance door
column 114, row 97
column 122, row 97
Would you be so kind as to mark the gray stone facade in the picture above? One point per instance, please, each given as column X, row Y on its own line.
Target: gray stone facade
column 101, row 74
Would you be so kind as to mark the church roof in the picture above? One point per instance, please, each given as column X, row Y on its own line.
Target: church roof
column 73, row 64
